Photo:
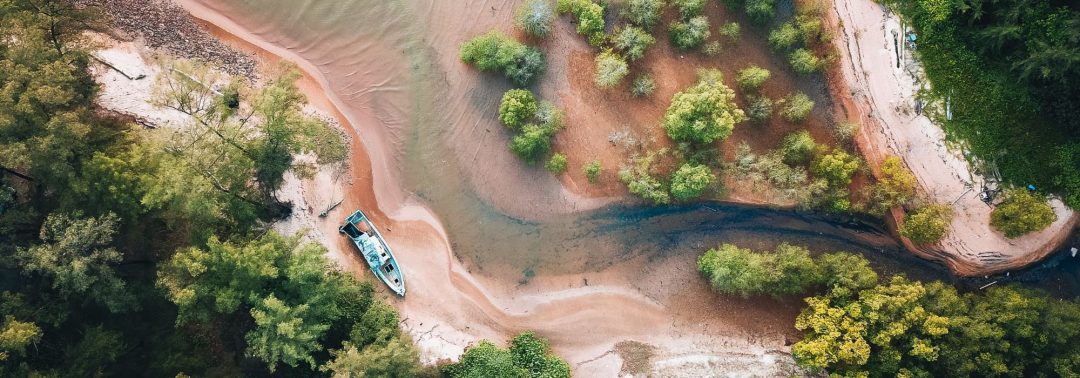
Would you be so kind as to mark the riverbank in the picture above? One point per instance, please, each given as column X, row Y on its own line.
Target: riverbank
column 876, row 89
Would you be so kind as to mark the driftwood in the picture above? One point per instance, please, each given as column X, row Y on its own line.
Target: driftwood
column 332, row 207
column 129, row 77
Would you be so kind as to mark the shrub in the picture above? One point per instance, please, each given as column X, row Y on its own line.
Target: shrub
column 643, row 86
column 517, row 107
column 690, row 181
column 810, row 30
column 784, row 37
column 927, row 225
column 895, row 187
column 846, row 273
column 760, row 109
column 845, row 130
column 690, row 34
column 837, row 167
column 704, row 112
column 592, row 170
column 533, row 142
column 590, row 18
column 787, row 271
column 689, row 8
column 535, row 17
column 557, row 163
column 549, row 116
column 528, row 356
column 761, row 11
column 797, row 147
column 494, row 51
column 712, row 48
column 731, row 31
column 1021, row 212
column 803, row 61
column 633, row 41
column 610, row 69
column 797, row 107
column 750, row 79
column 640, row 181
column 644, row 13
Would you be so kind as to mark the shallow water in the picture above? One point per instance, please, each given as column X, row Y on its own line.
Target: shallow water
column 394, row 65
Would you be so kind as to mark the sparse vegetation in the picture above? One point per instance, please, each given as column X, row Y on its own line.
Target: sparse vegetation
column 797, row 107
column 643, row 86
column 750, row 79
column 691, row 33
column 1021, row 212
column 703, row 113
column 633, row 42
column 535, row 17
column 528, row 356
column 590, row 18
column 495, row 51
column 927, row 224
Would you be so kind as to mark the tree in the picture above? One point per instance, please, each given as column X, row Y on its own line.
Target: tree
column 74, row 256
column 534, row 354
column 797, row 107
column 283, row 334
column 641, row 181
column 846, row 273
column 927, row 225
column 1021, row 212
column 557, row 163
column 532, row 143
column 784, row 37
column 610, row 69
column 837, row 167
column 787, row 271
column 690, row 181
column 689, row 8
column 517, row 107
column 592, row 171
column 761, row 11
column 644, row 13
column 528, row 356
column 535, row 17
column 798, row 147
column 633, row 42
column 590, row 17
column 803, row 61
column 760, row 109
column 750, row 79
column 92, row 355
column 495, row 51
column 690, row 34
column 396, row 358
column 703, row 113
column 643, row 86
column 15, row 336
column 895, row 187
column 731, row 31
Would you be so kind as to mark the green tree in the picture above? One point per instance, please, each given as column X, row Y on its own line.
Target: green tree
column 95, row 352
column 396, row 358
column 760, row 109
column 731, row 31
column 633, row 41
column 797, row 107
column 837, row 167
column 1021, row 212
column 846, row 273
column 557, row 163
column 643, row 86
column 15, row 336
column 804, row 61
column 517, row 107
column 535, row 17
column 495, row 51
column 798, row 147
column 691, row 33
column 528, row 356
column 532, row 143
column 641, row 181
column 761, row 11
column 689, row 8
column 927, row 225
column 787, row 271
column 895, row 187
column 590, row 17
column 283, row 334
column 703, row 113
column 74, row 256
column 750, row 79
column 592, row 171
column 690, row 181
column 644, row 13
column 610, row 69
column 784, row 37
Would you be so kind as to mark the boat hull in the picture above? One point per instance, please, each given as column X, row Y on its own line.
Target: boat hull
column 373, row 248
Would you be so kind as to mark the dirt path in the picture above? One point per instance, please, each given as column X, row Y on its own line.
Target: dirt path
column 880, row 92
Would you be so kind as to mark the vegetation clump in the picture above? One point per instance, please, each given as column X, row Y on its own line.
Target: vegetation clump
column 641, row 181
column 690, row 181
column 557, row 163
column 797, row 107
column 761, row 11
column 689, row 8
column 1021, row 212
column 633, row 42
column 804, row 61
column 495, row 51
column 731, row 31
column 644, row 13
column 517, row 107
column 703, row 113
column 760, row 109
column 691, row 33
column 592, row 171
column 610, row 69
column 643, row 86
column 590, row 18
column 789, row 270
column 535, row 17
column 927, row 225
column 798, row 147
column 895, row 187
column 528, row 356
column 535, row 123
column 836, row 166
column 750, row 79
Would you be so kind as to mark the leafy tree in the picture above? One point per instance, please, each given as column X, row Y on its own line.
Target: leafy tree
column 535, row 17
column 532, row 143
column 590, row 17
column 761, row 11
column 689, row 8
column 731, row 31
column 534, row 354
column 732, row 270
column 703, row 113
column 797, row 107
column 690, row 181
column 846, row 273
column 750, row 79
column 712, row 48
column 644, row 13
column 837, row 167
column 15, row 336
column 691, row 33
column 760, row 109
column 528, row 356
column 633, row 41
column 895, row 187
column 641, row 181
column 803, row 61
column 549, row 116
column 643, row 86
column 610, row 69
column 798, row 147
column 396, row 358
column 75, row 257
column 808, row 21
column 94, row 353
column 495, row 51
column 784, row 37
column 517, row 107
column 592, row 171
column 282, row 334
column 1021, row 212
column 557, row 163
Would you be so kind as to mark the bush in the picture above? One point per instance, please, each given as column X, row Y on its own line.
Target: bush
column 517, row 107
column 704, row 112
column 535, row 17
column 644, row 13
column 845, row 130
column 784, row 37
column 760, row 109
column 557, row 163
column 731, row 31
column 1021, row 212
column 750, row 79
column 610, row 69
column 927, row 225
column 803, row 61
column 761, row 11
column 690, row 34
column 592, row 171
column 690, row 181
column 532, row 143
column 712, row 48
column 643, row 86
column 895, row 187
column 797, row 147
column 590, row 18
column 810, row 31
column 837, row 167
column 495, row 51
column 640, row 181
column 797, row 107
column 528, row 356
column 689, row 8
column 789, row 270
column 549, row 116
column 633, row 41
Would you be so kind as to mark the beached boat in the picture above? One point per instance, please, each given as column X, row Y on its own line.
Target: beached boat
column 375, row 251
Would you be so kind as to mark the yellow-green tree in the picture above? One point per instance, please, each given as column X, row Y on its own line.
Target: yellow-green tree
column 1021, row 212
column 703, row 113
